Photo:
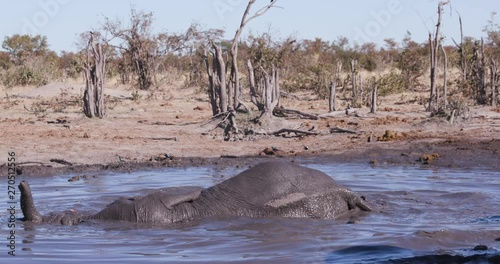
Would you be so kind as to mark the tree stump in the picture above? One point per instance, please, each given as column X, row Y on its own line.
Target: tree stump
column 95, row 79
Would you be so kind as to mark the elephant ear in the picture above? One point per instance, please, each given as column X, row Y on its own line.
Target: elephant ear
column 173, row 196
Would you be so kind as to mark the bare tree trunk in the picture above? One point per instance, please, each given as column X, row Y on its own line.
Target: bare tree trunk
column 95, row 80
column 212, row 89
column 432, row 75
column 463, row 60
column 266, row 94
column 217, row 90
column 493, row 78
column 361, row 94
column 338, row 70
column 331, row 105
column 434, row 48
column 445, row 78
column 221, row 78
column 253, row 89
column 354, row 65
column 234, row 94
column 276, row 90
column 482, row 75
column 270, row 88
column 479, row 72
column 373, row 108
column 230, row 94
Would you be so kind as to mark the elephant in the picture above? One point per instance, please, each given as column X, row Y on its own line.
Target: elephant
column 269, row 189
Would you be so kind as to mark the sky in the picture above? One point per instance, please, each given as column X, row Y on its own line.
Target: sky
column 359, row 20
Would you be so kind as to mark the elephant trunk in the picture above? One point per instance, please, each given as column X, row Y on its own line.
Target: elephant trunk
column 28, row 205
column 361, row 204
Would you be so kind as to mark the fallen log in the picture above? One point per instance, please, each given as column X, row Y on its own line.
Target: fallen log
column 343, row 130
column 296, row 131
column 283, row 112
column 172, row 124
column 61, row 161
column 164, row 138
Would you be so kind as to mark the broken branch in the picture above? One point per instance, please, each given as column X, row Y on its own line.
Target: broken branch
column 343, row 130
column 287, row 112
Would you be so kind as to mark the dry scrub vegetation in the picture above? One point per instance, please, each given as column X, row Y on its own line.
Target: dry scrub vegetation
column 184, row 94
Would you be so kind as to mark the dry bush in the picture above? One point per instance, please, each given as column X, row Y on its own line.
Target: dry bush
column 459, row 108
column 391, row 83
column 36, row 71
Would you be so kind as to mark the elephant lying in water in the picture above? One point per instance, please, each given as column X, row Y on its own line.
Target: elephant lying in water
column 273, row 188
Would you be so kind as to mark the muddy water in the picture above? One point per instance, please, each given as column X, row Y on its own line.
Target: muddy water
column 424, row 215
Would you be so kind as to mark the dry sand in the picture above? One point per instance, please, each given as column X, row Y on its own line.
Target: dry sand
column 45, row 123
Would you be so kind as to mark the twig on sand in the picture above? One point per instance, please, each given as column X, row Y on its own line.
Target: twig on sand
column 164, row 138
column 61, row 161
column 296, row 131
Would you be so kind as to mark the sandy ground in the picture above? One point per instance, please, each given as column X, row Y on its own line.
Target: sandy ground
column 173, row 126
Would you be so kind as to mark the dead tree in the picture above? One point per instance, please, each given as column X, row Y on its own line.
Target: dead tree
column 333, row 86
column 482, row 81
column 493, row 80
column 94, row 71
column 265, row 91
column 434, row 43
column 338, row 69
column 354, row 72
column 478, row 70
column 224, row 92
column 373, row 108
column 271, row 91
column 331, row 105
column 463, row 59
column 254, row 95
column 234, row 91
column 211, row 64
column 445, row 78
column 220, row 68
column 215, row 65
column 461, row 50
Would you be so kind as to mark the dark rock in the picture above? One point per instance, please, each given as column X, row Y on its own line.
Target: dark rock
column 480, row 247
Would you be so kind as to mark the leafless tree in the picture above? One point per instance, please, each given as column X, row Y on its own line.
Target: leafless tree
column 235, row 82
column 479, row 72
column 216, row 71
column 354, row 79
column 373, row 106
column 461, row 49
column 494, row 82
column 331, row 102
column 227, row 91
column 445, row 78
column 265, row 93
column 434, row 44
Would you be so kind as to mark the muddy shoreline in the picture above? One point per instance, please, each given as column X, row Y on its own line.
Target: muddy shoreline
column 464, row 154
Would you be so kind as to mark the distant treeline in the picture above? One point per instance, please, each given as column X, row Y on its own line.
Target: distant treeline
column 141, row 59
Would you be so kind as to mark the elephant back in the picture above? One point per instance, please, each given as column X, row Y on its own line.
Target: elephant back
column 271, row 181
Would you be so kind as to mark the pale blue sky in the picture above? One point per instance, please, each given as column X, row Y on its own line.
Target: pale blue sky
column 360, row 20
